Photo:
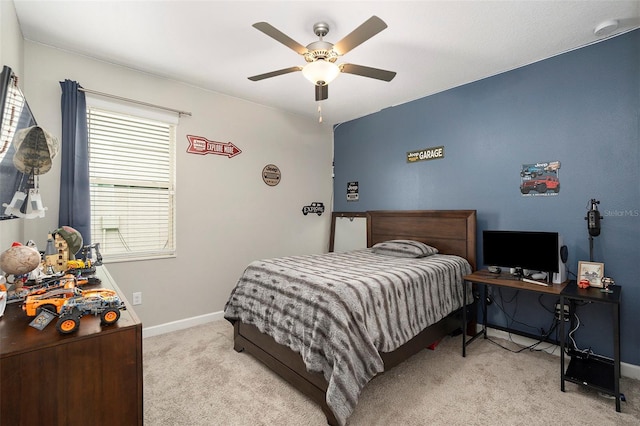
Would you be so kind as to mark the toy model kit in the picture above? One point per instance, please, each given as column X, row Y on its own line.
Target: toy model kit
column 22, row 284
column 47, row 281
column 103, row 302
column 47, row 284
column 51, row 300
column 86, row 265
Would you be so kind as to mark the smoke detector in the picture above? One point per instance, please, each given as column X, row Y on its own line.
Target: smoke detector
column 605, row 28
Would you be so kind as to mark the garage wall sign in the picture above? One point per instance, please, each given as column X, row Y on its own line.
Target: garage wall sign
column 541, row 179
column 434, row 153
column 203, row 146
column 271, row 175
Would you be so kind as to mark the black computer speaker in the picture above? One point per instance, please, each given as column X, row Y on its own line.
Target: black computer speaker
column 564, row 254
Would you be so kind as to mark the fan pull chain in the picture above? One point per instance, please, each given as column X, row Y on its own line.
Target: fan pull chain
column 319, row 112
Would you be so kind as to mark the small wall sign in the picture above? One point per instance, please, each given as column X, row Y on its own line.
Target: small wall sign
column 434, row 153
column 203, row 146
column 271, row 175
column 541, row 179
column 352, row 191
column 316, row 207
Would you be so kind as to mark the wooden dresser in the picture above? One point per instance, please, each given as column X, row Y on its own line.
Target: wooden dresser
column 93, row 376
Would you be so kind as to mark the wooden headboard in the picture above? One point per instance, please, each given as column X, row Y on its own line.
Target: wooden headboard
column 450, row 231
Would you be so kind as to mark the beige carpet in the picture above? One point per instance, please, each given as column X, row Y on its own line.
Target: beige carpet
column 194, row 377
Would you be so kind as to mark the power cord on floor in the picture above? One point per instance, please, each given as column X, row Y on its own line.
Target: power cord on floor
column 532, row 347
column 553, row 327
column 574, row 345
column 511, row 317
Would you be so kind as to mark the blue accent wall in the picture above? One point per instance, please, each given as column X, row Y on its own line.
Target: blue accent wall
column 581, row 108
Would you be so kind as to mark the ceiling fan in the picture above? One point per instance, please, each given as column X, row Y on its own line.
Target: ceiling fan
column 321, row 55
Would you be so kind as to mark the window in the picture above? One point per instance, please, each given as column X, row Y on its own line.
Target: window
column 132, row 181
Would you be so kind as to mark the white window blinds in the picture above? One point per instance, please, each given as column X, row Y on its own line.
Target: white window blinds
column 132, row 180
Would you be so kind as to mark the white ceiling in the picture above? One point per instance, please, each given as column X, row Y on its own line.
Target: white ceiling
column 432, row 45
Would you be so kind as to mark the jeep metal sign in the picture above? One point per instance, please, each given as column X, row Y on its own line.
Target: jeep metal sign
column 271, row 175
column 352, row 191
column 434, row 153
column 540, row 179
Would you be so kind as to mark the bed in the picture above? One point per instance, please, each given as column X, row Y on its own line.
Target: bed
column 329, row 343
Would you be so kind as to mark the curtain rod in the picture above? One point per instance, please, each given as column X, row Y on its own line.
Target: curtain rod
column 93, row 92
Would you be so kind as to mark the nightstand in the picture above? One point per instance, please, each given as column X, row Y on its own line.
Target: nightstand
column 594, row 371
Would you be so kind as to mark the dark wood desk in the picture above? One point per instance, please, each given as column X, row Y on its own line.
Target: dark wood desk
column 501, row 280
column 92, row 376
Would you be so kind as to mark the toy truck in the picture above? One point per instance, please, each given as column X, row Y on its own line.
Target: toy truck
column 103, row 302
column 51, row 283
column 80, row 266
column 85, row 266
column 52, row 300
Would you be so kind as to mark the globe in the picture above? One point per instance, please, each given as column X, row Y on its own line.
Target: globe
column 19, row 260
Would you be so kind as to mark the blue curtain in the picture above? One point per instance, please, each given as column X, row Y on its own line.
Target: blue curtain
column 75, row 206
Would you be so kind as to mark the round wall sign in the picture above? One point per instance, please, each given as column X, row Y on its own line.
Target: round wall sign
column 271, row 175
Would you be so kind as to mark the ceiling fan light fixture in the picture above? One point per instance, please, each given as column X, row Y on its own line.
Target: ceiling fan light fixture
column 320, row 71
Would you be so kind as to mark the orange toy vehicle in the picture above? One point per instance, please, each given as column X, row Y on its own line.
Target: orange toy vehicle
column 101, row 301
column 51, row 300
column 55, row 282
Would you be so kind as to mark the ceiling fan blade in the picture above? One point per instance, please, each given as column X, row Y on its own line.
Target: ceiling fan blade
column 322, row 92
column 278, row 35
column 363, row 71
column 364, row 32
column 275, row 73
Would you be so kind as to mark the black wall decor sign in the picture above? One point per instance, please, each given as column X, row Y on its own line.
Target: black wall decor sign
column 352, row 191
column 316, row 207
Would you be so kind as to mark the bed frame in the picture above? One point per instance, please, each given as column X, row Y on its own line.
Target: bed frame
column 451, row 231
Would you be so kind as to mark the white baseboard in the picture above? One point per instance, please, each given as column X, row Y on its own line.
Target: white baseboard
column 631, row 371
column 181, row 324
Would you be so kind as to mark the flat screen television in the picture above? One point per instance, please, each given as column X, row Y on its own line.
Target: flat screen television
column 535, row 251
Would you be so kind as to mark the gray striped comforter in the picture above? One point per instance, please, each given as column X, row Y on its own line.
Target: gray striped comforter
column 339, row 310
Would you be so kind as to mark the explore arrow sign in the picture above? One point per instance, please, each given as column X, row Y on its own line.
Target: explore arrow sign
column 203, row 146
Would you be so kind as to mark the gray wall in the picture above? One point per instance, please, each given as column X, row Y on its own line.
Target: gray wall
column 226, row 215
column 581, row 108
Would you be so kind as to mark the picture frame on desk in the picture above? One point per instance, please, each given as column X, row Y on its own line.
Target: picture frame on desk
column 592, row 272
